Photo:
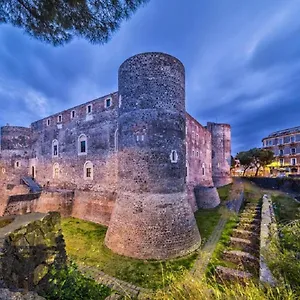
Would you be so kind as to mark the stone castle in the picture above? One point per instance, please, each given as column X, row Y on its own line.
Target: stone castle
column 134, row 160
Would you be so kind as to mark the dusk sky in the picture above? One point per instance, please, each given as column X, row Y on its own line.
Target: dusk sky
column 242, row 61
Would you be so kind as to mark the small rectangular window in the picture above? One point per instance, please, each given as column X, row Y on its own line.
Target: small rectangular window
column 89, row 109
column 59, row 119
column 293, row 151
column 88, row 172
column 292, row 139
column 108, row 102
column 72, row 114
column 293, row 161
column 55, row 150
column 280, row 152
column 281, row 161
column 82, row 147
column 48, row 122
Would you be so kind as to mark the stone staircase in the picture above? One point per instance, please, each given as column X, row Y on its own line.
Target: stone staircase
column 242, row 256
column 34, row 186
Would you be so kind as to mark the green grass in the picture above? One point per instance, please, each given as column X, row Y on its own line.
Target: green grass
column 85, row 245
column 216, row 259
column 224, row 192
column 207, row 221
column 286, row 208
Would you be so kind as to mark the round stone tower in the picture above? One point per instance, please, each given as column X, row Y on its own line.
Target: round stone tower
column 221, row 153
column 152, row 218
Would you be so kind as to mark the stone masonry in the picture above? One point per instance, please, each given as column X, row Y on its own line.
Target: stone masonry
column 134, row 154
column 30, row 246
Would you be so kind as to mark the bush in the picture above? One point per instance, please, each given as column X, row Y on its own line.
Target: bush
column 69, row 284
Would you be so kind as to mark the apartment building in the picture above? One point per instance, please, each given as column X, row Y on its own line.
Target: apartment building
column 286, row 147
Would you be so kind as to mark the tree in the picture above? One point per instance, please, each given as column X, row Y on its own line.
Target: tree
column 58, row 21
column 255, row 157
column 261, row 158
column 245, row 159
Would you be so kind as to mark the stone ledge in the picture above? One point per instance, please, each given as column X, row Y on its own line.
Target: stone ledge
column 227, row 274
column 242, row 257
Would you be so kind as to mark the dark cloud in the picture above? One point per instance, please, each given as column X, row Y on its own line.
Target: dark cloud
column 241, row 57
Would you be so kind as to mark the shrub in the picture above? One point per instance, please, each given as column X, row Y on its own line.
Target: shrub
column 69, row 284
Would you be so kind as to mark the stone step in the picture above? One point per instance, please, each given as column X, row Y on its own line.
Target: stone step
column 227, row 274
column 245, row 245
column 248, row 227
column 249, row 215
column 245, row 234
column 254, row 210
column 241, row 257
column 255, row 221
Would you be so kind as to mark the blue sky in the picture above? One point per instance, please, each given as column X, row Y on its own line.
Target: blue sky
column 242, row 61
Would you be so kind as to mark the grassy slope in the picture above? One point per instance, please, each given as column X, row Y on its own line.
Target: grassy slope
column 207, row 221
column 85, row 244
column 285, row 208
column 224, row 192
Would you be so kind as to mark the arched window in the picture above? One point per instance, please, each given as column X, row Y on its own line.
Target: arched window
column 55, row 148
column 56, row 171
column 203, row 169
column 82, row 144
column 88, row 171
column 174, row 156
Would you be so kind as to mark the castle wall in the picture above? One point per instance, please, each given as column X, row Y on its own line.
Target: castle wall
column 99, row 128
column 61, row 201
column 199, row 166
column 221, row 153
column 152, row 217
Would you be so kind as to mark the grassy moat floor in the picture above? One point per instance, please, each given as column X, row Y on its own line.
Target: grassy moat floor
column 85, row 245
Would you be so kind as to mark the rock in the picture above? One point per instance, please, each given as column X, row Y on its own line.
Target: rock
column 6, row 294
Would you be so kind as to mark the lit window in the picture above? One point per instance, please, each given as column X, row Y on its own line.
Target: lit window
column 174, row 156
column 89, row 109
column 59, row 119
column 107, row 102
column 72, row 114
column 55, row 170
column 88, row 171
column 55, row 148
column 82, row 144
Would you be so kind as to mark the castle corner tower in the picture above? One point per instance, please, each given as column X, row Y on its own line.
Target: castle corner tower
column 221, row 153
column 152, row 218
